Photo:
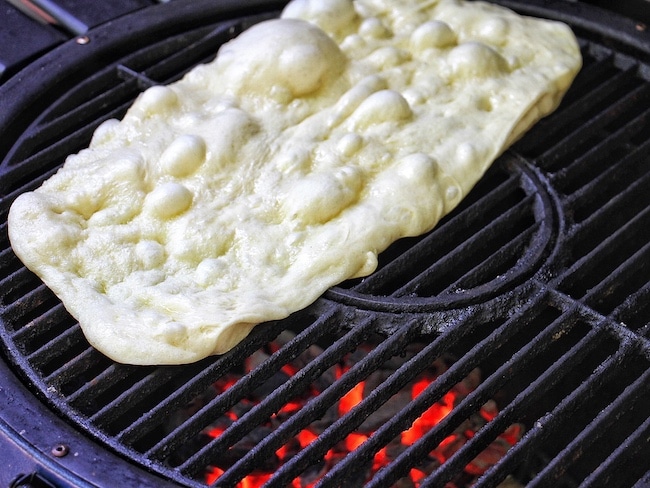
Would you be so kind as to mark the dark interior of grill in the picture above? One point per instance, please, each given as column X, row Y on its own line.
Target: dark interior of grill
column 535, row 291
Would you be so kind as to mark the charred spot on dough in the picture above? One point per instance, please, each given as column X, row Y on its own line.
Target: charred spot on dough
column 168, row 200
column 282, row 54
column 184, row 155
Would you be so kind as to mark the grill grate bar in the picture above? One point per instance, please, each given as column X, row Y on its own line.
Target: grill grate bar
column 550, row 423
column 612, row 186
column 479, row 247
column 55, row 352
column 40, row 325
column 77, row 374
column 503, row 259
column 82, row 118
column 274, row 401
column 563, row 123
column 634, row 311
column 378, row 396
column 27, row 299
column 598, row 64
column 393, row 427
column 390, row 347
column 625, row 108
column 532, row 393
column 143, row 388
column 219, row 405
column 597, row 263
column 202, row 49
column 104, row 381
column 581, row 169
column 28, row 306
column 34, row 170
column 168, row 60
column 507, row 416
column 195, row 379
column 594, row 431
column 628, row 277
column 608, row 473
column 9, row 264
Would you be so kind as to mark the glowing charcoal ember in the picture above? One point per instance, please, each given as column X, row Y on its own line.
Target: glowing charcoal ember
column 352, row 398
column 429, row 419
column 355, row 439
column 213, row 474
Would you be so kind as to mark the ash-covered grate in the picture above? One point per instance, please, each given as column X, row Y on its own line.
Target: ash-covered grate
column 526, row 309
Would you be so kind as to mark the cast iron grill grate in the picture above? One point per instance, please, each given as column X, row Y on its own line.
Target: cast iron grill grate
column 539, row 280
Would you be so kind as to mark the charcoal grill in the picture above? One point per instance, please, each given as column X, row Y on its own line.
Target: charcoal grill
column 540, row 279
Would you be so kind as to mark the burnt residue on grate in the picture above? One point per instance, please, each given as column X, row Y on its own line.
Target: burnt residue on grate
column 509, row 345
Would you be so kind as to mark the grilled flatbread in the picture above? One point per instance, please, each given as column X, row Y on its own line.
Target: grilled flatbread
column 240, row 193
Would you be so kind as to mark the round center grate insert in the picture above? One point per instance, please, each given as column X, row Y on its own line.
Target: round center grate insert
column 498, row 237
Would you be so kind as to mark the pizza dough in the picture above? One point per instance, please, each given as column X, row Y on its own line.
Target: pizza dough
column 240, row 193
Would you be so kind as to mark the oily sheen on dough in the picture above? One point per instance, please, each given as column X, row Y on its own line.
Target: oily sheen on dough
column 240, row 193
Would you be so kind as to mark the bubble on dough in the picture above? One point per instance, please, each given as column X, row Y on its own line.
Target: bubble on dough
column 319, row 197
column 210, row 270
column 155, row 100
column 388, row 57
column 476, row 59
column 494, row 30
column 417, row 167
column 373, row 27
column 168, row 200
column 382, row 106
column 184, row 155
column 432, row 34
column 336, row 16
column 299, row 58
column 349, row 144
column 150, row 253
